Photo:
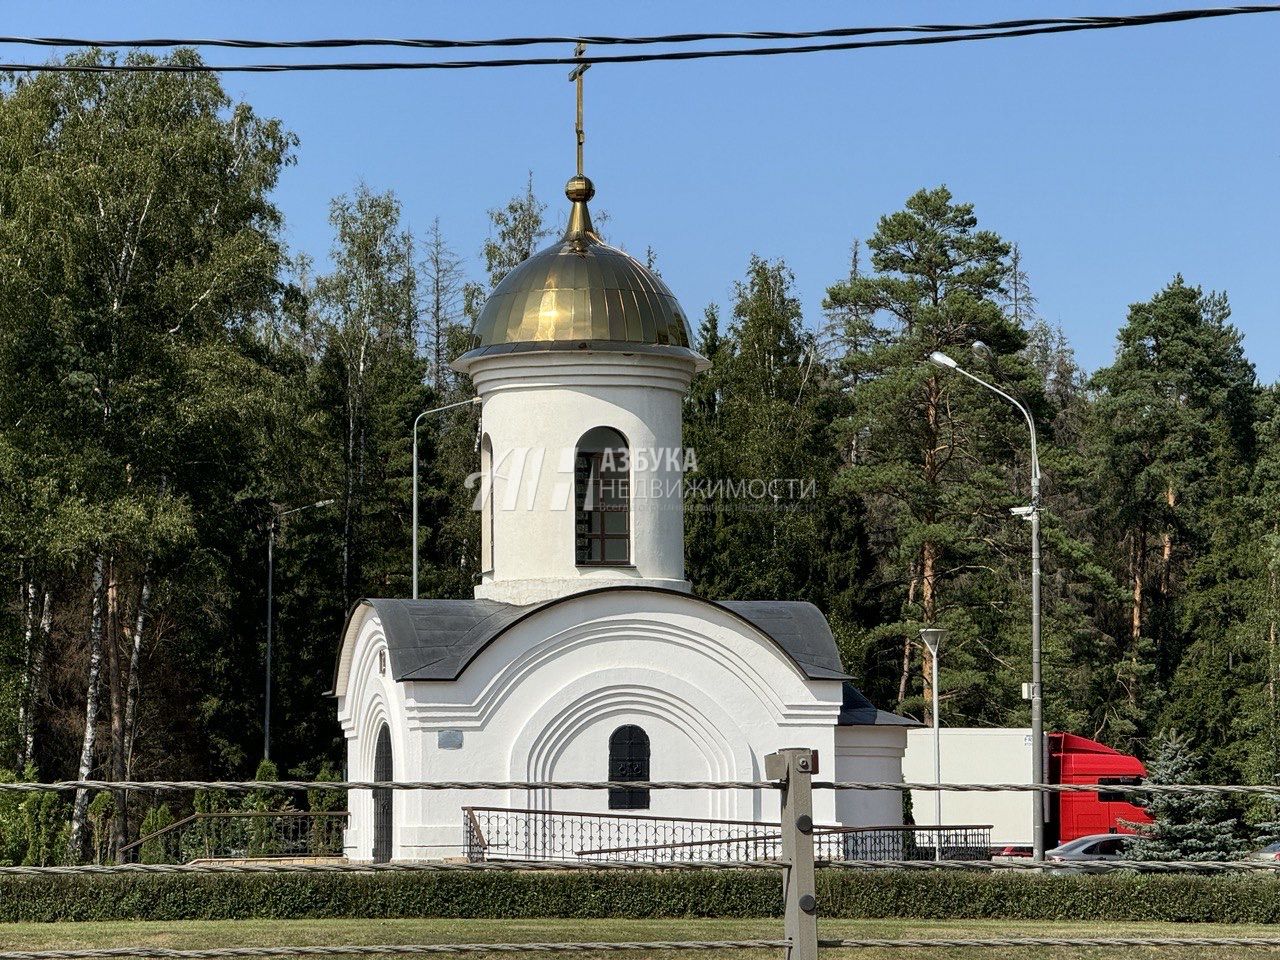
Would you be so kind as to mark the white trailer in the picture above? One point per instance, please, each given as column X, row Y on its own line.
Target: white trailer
column 974, row 755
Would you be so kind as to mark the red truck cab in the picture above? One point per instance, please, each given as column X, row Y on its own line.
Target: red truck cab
column 1074, row 759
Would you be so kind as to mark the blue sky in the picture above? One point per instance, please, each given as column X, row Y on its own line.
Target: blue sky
column 1116, row 159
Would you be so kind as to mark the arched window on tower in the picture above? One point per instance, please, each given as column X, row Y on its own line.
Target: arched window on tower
column 628, row 763
column 486, row 507
column 602, row 481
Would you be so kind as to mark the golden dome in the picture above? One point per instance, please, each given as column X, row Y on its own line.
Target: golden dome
column 580, row 293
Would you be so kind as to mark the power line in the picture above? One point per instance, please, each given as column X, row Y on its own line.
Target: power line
column 670, row 38
column 1073, row 26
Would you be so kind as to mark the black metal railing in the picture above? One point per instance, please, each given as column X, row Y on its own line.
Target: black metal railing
column 503, row 833
column 242, row 834
column 958, row 842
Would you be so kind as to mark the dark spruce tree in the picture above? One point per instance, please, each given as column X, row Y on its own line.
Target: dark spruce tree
column 760, row 523
column 1187, row 826
column 1171, row 448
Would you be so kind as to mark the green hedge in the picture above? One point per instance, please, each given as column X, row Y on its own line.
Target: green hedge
column 869, row 895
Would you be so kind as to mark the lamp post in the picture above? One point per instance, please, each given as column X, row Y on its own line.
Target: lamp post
column 933, row 637
column 276, row 516
column 1031, row 513
column 417, row 420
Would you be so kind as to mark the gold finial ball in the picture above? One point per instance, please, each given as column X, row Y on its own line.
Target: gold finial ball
column 579, row 189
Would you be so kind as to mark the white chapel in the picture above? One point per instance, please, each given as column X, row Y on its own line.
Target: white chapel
column 585, row 654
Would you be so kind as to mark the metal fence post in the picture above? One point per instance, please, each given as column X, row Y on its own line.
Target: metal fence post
column 794, row 769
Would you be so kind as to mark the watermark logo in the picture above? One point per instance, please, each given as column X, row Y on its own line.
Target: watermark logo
column 605, row 479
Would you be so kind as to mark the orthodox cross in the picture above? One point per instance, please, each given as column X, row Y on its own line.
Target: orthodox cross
column 576, row 76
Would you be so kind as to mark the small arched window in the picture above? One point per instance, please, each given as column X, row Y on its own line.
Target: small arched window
column 628, row 763
column 486, row 516
column 383, row 804
column 602, row 482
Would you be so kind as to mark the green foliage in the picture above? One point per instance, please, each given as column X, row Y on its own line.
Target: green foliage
column 33, row 826
column 263, row 831
column 519, row 228
column 45, row 818
column 101, row 810
column 326, row 832
column 13, row 833
column 208, row 835
column 1170, row 440
column 174, row 383
column 134, row 270
column 842, row 893
column 155, row 849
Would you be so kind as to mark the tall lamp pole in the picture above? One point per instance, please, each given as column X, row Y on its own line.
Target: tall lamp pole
column 1031, row 513
column 276, row 516
column 933, row 637
column 426, row 413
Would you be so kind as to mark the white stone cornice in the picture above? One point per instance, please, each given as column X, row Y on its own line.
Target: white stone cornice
column 577, row 369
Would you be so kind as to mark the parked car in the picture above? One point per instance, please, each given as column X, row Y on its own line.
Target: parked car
column 1270, row 852
column 1014, row 851
column 1097, row 846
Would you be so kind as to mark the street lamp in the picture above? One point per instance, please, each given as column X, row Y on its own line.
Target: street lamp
column 1031, row 513
column 425, row 413
column 933, row 637
column 276, row 516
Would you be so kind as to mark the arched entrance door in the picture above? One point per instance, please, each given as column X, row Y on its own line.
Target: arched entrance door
column 382, row 797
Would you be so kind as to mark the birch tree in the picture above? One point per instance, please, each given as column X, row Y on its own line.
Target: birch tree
column 367, row 308
column 133, row 265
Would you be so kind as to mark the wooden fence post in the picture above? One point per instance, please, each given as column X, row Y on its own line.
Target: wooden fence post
column 794, row 769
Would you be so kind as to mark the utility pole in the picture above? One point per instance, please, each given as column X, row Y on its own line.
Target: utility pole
column 271, row 579
column 933, row 637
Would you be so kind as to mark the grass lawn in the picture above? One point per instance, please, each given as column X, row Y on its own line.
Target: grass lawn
column 221, row 933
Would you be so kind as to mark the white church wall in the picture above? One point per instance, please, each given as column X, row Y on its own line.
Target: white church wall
column 369, row 699
column 536, row 407
column 871, row 754
column 540, row 703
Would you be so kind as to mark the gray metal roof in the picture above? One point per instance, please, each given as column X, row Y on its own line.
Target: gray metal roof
column 858, row 711
column 436, row 639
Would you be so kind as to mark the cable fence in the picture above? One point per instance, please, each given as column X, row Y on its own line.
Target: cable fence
column 241, row 786
column 219, row 839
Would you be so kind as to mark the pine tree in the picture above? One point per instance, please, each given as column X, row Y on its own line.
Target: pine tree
column 363, row 382
column 1226, row 685
column 1171, row 440
column 1187, row 826
column 936, row 462
column 155, row 849
column 451, row 442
